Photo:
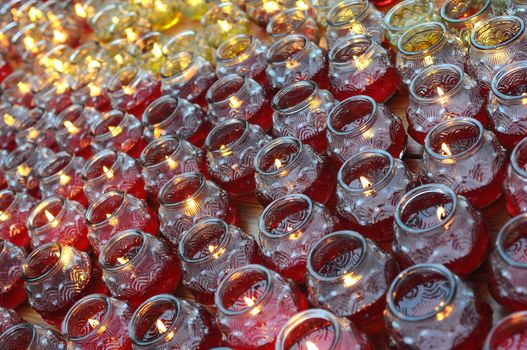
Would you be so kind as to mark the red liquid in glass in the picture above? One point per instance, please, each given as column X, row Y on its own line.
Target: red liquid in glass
column 321, row 333
column 486, row 195
column 14, row 296
column 243, row 185
column 516, row 341
column 146, row 94
column 380, row 90
column 5, row 70
column 319, row 142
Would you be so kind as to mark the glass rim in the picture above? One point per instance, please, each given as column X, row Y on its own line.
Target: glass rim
column 286, row 14
column 433, row 70
column 101, row 199
column 501, row 74
column 174, row 58
column 175, row 40
column 12, row 204
column 56, row 246
column 154, row 145
column 50, row 161
column 502, row 236
column 417, row 29
column 521, row 146
column 447, row 18
column 328, row 239
column 493, row 21
column 28, row 147
column 125, row 117
column 341, row 106
column 419, row 268
column 220, row 128
column 281, row 43
column 115, row 239
column 437, row 129
column 177, row 179
column 100, row 328
column 406, row 3
column 95, row 158
column 37, row 209
column 209, row 96
column 309, row 84
column 510, row 321
column 351, row 40
column 423, row 190
column 116, row 77
column 136, row 51
column 159, row 102
column 31, row 328
column 218, row 7
column 279, row 202
column 273, row 143
column 195, row 230
column 229, row 42
column 246, row 269
column 333, row 11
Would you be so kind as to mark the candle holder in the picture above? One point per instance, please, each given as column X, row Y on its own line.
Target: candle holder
column 321, row 329
column 28, row 42
column 462, row 17
column 166, row 322
column 370, row 184
column 262, row 11
column 52, row 92
column 165, row 158
column 404, row 15
column 8, row 319
column 118, row 131
column 148, row 51
column 108, row 171
column 288, row 228
column 286, row 166
column 517, row 8
column 295, row 58
column 33, row 127
column 16, row 89
column 186, row 199
column 63, row 29
column 439, row 93
column 188, row 76
column 300, row 110
column 119, row 56
column 425, row 45
column 60, row 175
column 429, row 298
column 29, row 336
column 233, row 96
column 114, row 212
column 231, row 147
column 72, row 129
column 137, row 266
column 12, row 293
column 10, row 114
column 90, row 58
column 505, row 105
column 97, row 319
column 56, row 219
column 434, row 225
column 14, row 210
column 89, row 89
column 461, row 154
column 494, row 44
column 115, row 21
column 349, row 276
column 508, row 265
column 293, row 21
column 163, row 14
column 253, row 305
column 56, row 276
column 20, row 168
column 509, row 332
column 7, row 32
column 174, row 116
column 358, row 124
column 244, row 55
column 188, row 40
column 354, row 17
column 515, row 180
column 222, row 22
column 208, row 251
column 360, row 66
column 56, row 59
column 132, row 90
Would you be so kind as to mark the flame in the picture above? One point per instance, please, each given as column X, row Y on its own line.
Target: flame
column 112, row 220
column 9, row 120
column 428, row 60
column 212, row 248
column 441, row 213
column 115, row 19
column 34, row 14
column 302, row 5
column 94, row 90
column 108, row 172
column 311, row 346
column 277, row 163
column 49, row 216
column 445, row 149
column 157, row 51
column 24, row 170
column 23, row 87
column 59, row 36
column 29, row 43
column 365, row 183
column 115, row 130
column 161, row 326
column 128, row 90
column 171, row 162
column 94, row 66
column 440, row 91
column 130, row 35
column 234, row 102
column 161, row 6
column 118, row 59
column 3, row 216
column 224, row 25
column 121, row 260
column 64, row 179
column 58, row 65
column 290, row 64
column 61, row 86
column 80, row 11
column 72, row 129
column 248, row 301
column 225, row 151
column 350, row 280
column 271, row 6
column 93, row 323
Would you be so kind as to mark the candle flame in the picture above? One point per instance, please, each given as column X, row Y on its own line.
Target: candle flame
column 94, row 65
column 157, row 51
column 23, row 87
column 119, row 59
column 107, row 172
column 161, row 326
column 301, row 5
column 72, row 129
column 212, row 248
column 3, row 216
column 29, row 43
column 115, row 130
column 440, row 91
column 291, row 64
column 277, row 163
column 121, row 260
column 64, row 179
column 9, row 120
column 271, row 6
column 248, row 301
column 225, row 151
column 61, row 86
column 311, row 346
column 93, row 323
column 224, row 25
column 34, row 14
column 59, row 37
column 441, row 213
column 365, row 183
column 234, row 102
column 80, row 11
column 130, row 35
column 58, row 65
column 115, row 19
column 161, row 6
column 94, row 90
column 445, row 149
column 129, row 90
column 51, row 218
column 171, row 162
column 350, row 280
column 24, row 170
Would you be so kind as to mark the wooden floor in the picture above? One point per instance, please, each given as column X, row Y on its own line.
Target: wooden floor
column 249, row 210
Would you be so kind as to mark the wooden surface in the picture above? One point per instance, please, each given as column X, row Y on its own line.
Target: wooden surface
column 249, row 210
